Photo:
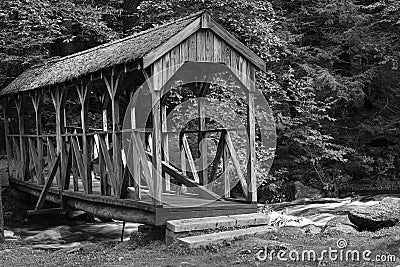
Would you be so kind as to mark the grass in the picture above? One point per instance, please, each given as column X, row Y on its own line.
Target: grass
column 142, row 252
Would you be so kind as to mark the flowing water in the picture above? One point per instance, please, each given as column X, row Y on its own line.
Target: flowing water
column 71, row 236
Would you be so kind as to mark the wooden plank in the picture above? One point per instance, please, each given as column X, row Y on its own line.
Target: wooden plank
column 192, row 42
column 184, row 51
column 201, row 46
column 48, row 184
column 209, row 46
column 52, row 211
column 217, row 49
column 236, row 44
column 189, row 156
column 200, row 224
column 236, row 163
column 220, row 237
column 155, row 54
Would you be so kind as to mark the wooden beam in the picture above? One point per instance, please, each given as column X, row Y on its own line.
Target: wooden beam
column 24, row 152
column 236, row 163
column 48, row 184
column 79, row 162
column 251, row 132
column 189, row 156
column 112, row 84
column 175, row 173
column 218, row 156
column 59, row 96
column 109, row 164
column 175, row 40
column 83, row 91
column 202, row 142
column 144, row 162
column 37, row 101
column 157, row 157
column 165, row 138
column 6, row 133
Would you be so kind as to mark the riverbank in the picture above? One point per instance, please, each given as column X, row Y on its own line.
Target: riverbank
column 139, row 251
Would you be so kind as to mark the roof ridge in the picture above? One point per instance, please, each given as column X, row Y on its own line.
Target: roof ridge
column 54, row 60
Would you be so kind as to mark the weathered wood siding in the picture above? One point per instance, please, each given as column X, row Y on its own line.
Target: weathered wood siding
column 204, row 46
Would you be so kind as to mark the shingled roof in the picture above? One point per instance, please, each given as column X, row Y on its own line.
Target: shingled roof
column 123, row 51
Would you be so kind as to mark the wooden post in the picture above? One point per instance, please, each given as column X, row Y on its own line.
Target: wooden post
column 225, row 161
column 135, row 155
column 112, row 87
column 157, row 157
column 6, row 133
column 22, row 144
column 87, row 161
column 202, row 142
column 106, row 188
column 251, row 132
column 58, row 95
column 165, row 145
column 37, row 100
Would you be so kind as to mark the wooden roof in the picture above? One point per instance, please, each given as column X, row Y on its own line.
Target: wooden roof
column 145, row 47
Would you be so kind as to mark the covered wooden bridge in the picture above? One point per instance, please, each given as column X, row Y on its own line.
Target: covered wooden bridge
column 86, row 167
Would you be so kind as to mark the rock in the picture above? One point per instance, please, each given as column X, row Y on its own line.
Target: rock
column 384, row 214
column 303, row 191
column 291, row 230
column 312, row 229
column 340, row 229
column 340, row 225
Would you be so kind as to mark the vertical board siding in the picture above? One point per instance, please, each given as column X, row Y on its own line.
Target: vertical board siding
column 204, row 46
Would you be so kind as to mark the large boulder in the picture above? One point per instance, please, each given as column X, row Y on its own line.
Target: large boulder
column 384, row 214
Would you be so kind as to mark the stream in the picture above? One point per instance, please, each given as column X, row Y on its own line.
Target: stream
column 72, row 236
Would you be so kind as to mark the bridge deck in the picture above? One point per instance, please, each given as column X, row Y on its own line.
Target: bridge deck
column 142, row 211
